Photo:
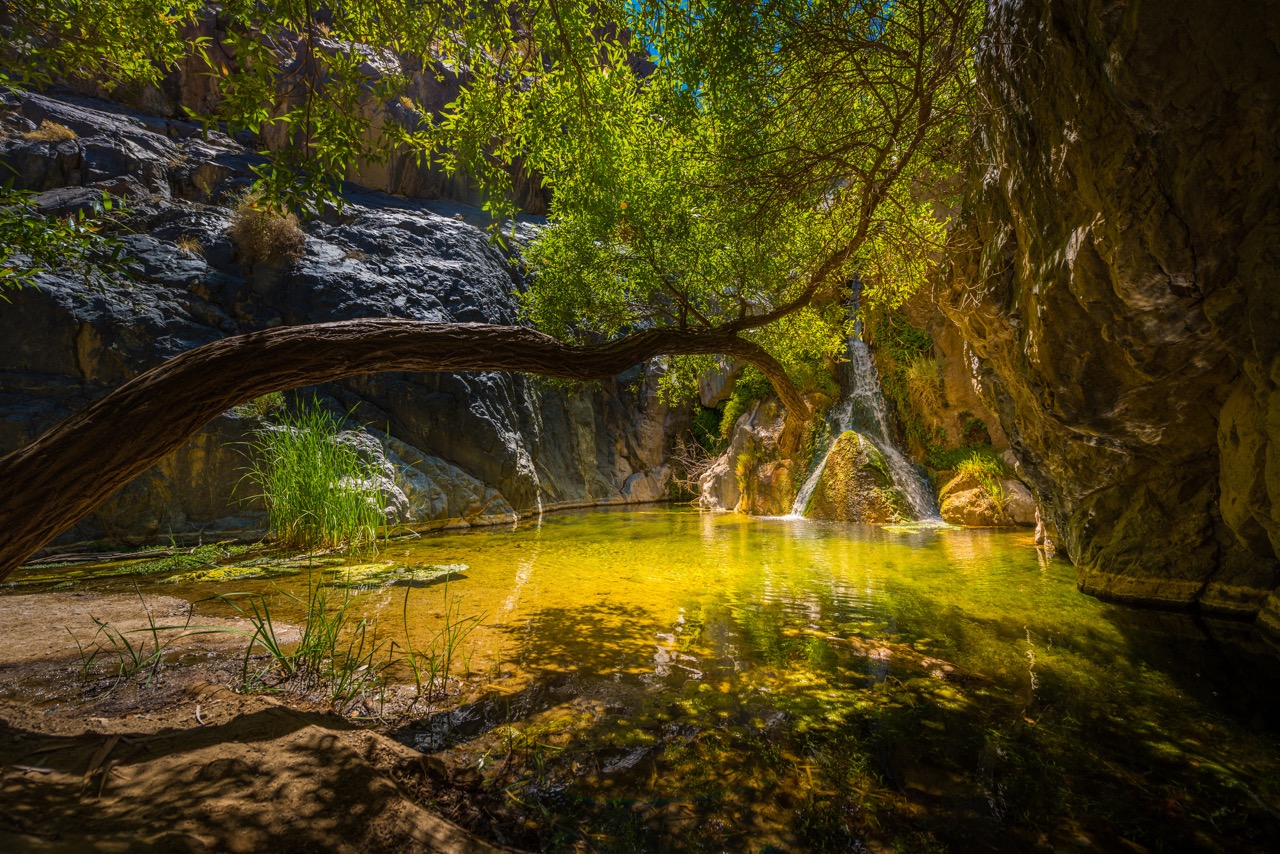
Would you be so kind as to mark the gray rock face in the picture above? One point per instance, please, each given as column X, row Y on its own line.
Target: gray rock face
column 1118, row 287
column 466, row 448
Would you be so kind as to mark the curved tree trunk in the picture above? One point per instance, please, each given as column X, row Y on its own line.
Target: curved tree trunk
column 59, row 478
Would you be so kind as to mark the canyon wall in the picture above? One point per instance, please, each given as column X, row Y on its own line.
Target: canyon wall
column 1117, row 277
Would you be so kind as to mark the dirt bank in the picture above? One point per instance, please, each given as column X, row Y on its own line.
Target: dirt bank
column 176, row 761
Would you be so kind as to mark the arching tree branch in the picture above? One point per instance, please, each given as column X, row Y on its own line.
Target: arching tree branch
column 60, row 477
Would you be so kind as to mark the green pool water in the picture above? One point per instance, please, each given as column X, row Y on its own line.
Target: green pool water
column 672, row 679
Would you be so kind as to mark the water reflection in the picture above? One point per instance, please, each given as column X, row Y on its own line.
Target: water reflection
column 676, row 679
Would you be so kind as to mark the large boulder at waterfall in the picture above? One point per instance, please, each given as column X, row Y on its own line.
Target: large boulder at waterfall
column 461, row 448
column 855, row 485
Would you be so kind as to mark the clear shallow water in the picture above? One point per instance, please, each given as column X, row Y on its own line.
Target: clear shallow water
column 676, row 679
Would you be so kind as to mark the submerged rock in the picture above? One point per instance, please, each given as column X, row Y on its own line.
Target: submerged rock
column 856, row 485
column 366, row 575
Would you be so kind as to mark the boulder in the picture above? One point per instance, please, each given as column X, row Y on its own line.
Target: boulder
column 971, row 508
column 855, row 485
column 966, row 502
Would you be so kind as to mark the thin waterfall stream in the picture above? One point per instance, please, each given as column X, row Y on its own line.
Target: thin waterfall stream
column 865, row 410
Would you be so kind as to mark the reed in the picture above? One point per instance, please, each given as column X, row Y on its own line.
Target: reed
column 319, row 491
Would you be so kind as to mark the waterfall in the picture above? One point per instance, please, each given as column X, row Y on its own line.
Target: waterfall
column 865, row 410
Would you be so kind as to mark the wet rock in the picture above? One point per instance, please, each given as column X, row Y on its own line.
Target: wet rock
column 856, row 486
column 1117, row 288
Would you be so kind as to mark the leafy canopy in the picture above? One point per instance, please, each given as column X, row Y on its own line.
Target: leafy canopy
column 713, row 165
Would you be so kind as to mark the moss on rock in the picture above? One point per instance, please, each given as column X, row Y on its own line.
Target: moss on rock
column 855, row 486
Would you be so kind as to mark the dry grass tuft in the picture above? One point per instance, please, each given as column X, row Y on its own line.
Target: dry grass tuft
column 264, row 234
column 922, row 378
column 50, row 132
column 189, row 244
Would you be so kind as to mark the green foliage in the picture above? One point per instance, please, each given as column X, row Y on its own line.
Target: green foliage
column 923, row 385
column 31, row 244
column 723, row 166
column 319, row 491
column 974, row 431
column 909, row 376
column 264, row 406
column 989, row 471
column 750, row 386
column 706, row 429
column 949, row 459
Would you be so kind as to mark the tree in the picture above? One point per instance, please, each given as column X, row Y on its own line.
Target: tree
column 720, row 172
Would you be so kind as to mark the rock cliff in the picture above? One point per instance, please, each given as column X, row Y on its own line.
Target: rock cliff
column 468, row 447
column 1115, row 277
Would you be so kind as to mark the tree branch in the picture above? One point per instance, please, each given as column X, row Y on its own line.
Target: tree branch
column 61, row 476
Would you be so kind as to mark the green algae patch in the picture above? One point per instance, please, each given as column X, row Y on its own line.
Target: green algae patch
column 222, row 574
column 64, row 575
column 367, row 575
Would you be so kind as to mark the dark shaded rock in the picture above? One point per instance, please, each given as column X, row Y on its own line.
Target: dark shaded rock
column 455, row 448
column 1116, row 282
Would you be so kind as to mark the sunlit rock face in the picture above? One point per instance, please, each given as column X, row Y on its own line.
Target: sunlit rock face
column 1118, row 278
column 471, row 448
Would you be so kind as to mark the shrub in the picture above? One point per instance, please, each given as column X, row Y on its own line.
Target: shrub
column 50, row 132
column 261, row 407
column 975, row 431
column 318, row 490
column 989, row 471
column 263, row 233
column 706, row 430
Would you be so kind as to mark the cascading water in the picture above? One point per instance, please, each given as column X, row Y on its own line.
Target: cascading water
column 864, row 409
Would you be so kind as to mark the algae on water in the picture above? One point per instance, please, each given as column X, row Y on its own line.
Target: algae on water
column 382, row 574
column 239, row 572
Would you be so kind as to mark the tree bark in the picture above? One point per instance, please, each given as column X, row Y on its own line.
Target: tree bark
column 59, row 478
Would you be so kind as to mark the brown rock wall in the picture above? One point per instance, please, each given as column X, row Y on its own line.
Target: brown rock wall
column 1116, row 277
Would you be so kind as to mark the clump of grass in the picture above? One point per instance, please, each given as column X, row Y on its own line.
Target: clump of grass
column 989, row 472
column 264, row 406
column 319, row 492
column 431, row 667
column 263, row 233
column 189, row 244
column 123, row 652
column 920, row 376
column 342, row 654
column 50, row 132
column 338, row 653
